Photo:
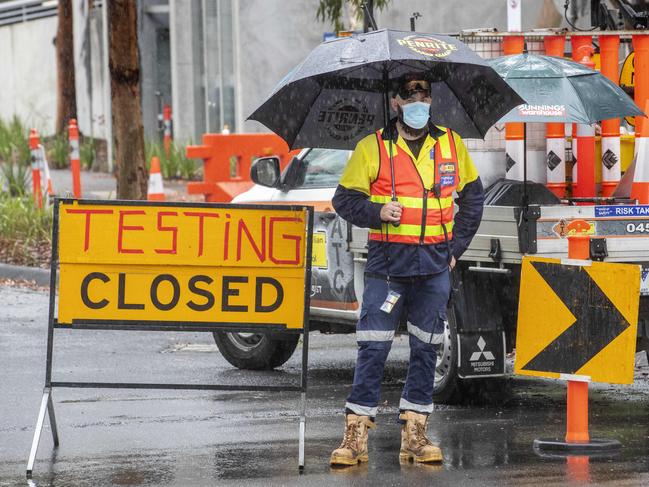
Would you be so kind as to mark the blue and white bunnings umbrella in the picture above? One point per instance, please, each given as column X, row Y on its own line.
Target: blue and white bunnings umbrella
column 559, row 90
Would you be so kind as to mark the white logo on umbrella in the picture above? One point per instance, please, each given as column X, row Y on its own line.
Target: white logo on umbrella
column 542, row 110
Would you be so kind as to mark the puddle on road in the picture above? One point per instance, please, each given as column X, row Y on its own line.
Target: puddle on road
column 191, row 347
column 486, row 440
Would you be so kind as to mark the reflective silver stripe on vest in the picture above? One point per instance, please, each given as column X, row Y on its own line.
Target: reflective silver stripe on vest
column 419, row 408
column 374, row 335
column 361, row 410
column 424, row 336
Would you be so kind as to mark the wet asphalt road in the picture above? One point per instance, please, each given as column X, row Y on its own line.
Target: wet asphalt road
column 191, row 438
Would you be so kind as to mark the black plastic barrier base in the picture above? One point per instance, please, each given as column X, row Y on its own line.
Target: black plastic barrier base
column 595, row 446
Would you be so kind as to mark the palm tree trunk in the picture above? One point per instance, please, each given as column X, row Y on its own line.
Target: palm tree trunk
column 124, row 65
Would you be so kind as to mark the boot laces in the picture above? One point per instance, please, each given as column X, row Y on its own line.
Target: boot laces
column 351, row 436
column 420, row 434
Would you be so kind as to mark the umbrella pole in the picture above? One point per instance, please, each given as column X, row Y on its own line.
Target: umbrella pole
column 525, row 210
column 525, row 199
column 388, row 127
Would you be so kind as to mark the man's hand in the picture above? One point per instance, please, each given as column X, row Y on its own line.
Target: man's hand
column 452, row 264
column 391, row 212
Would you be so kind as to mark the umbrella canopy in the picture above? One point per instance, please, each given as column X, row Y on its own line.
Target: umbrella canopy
column 558, row 90
column 338, row 94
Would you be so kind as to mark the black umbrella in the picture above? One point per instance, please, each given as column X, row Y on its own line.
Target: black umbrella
column 339, row 93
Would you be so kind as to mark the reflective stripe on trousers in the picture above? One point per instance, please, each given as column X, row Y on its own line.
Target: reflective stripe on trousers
column 425, row 301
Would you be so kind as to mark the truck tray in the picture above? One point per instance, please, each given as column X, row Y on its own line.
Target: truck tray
column 504, row 236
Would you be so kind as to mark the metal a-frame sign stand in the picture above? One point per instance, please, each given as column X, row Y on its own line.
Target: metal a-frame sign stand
column 47, row 405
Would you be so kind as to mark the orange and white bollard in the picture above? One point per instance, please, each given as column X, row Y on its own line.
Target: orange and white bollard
column 609, row 46
column 166, row 116
column 577, row 396
column 514, row 131
column 35, row 151
column 156, row 189
column 641, row 78
column 585, row 158
column 640, row 187
column 46, row 179
column 75, row 163
column 555, row 132
column 584, row 169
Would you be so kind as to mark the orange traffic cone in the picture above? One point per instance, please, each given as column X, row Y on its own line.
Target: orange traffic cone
column 640, row 187
column 156, row 190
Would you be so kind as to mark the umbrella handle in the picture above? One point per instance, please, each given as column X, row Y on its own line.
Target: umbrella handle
column 395, row 224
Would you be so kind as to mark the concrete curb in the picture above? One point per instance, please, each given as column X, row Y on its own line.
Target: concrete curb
column 41, row 276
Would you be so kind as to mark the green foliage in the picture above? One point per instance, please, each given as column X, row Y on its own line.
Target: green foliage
column 187, row 168
column 25, row 231
column 59, row 151
column 14, row 177
column 332, row 11
column 173, row 165
column 21, row 219
column 15, row 157
column 87, row 152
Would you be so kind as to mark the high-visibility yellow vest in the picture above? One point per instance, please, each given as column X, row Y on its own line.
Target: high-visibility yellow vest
column 426, row 215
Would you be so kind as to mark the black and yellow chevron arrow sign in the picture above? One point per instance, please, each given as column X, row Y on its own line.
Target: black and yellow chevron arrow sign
column 578, row 320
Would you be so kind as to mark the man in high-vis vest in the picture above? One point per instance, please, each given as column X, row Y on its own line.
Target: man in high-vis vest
column 414, row 242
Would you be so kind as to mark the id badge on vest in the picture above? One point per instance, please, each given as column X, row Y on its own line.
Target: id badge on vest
column 447, row 173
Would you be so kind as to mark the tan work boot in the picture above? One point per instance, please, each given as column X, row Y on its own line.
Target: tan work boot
column 415, row 444
column 353, row 449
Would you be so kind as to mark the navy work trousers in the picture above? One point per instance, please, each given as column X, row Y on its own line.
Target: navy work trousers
column 425, row 300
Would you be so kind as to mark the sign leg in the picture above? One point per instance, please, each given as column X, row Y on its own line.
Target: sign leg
column 302, row 430
column 45, row 405
column 50, row 411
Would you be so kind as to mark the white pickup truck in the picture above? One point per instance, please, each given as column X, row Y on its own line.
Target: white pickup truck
column 481, row 327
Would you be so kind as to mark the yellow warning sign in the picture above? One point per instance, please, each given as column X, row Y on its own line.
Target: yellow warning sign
column 627, row 78
column 319, row 255
column 187, row 263
column 577, row 319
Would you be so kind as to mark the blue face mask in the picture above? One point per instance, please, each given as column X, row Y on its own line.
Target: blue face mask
column 416, row 114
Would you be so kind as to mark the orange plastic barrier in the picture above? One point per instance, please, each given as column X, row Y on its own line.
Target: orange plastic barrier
column 227, row 160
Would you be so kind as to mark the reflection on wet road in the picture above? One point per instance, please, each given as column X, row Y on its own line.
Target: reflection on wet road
column 183, row 438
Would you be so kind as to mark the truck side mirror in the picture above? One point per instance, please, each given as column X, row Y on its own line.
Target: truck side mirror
column 265, row 171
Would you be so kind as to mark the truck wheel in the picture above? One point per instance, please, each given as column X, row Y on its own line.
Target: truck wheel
column 255, row 351
column 447, row 382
